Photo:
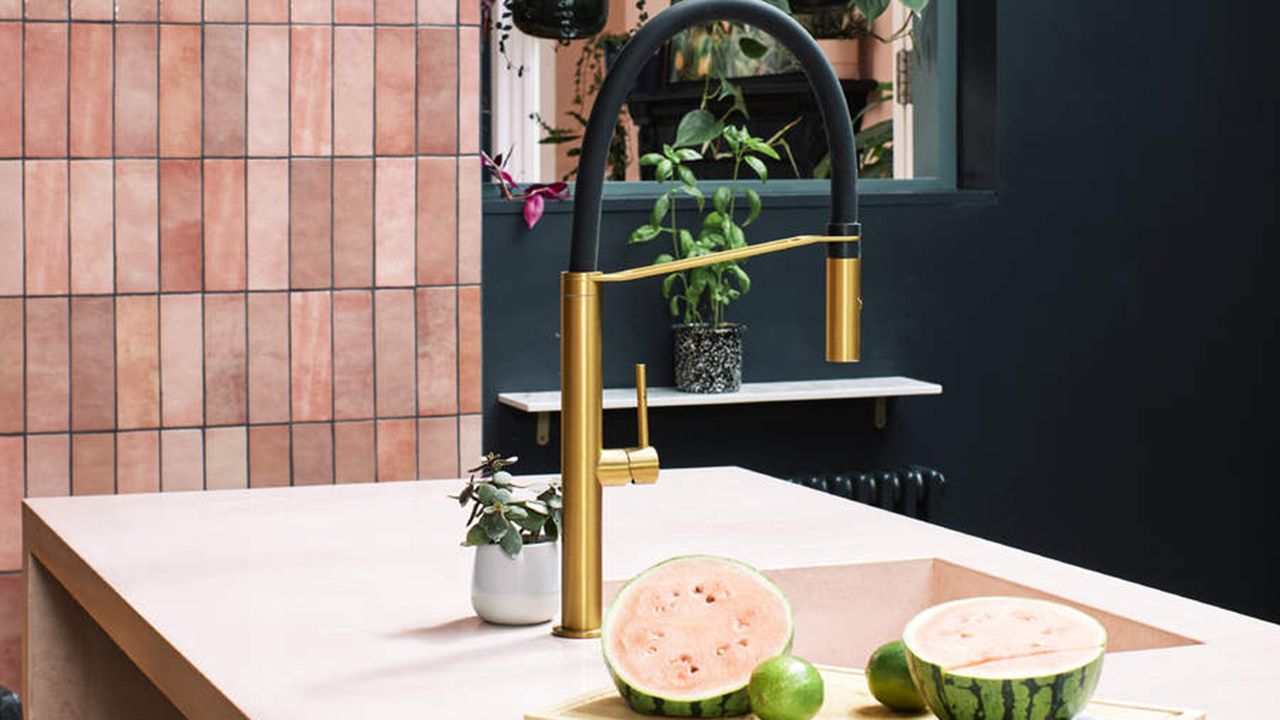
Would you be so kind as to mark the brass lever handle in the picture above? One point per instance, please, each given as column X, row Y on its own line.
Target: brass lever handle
column 637, row 464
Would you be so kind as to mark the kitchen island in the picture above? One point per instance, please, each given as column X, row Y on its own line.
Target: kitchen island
column 352, row 601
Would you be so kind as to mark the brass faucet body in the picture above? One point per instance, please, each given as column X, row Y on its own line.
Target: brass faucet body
column 586, row 466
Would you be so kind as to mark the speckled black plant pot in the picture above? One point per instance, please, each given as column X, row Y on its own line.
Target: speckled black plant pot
column 708, row 360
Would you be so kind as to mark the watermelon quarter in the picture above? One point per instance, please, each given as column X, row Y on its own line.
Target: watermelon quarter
column 1004, row 658
column 682, row 638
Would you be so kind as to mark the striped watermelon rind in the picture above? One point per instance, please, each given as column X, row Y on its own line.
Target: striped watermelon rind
column 955, row 696
column 733, row 702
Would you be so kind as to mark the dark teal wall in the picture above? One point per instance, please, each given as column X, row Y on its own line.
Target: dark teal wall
column 1106, row 324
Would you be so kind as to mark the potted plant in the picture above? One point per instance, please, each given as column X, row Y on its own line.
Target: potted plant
column 515, row 530
column 708, row 348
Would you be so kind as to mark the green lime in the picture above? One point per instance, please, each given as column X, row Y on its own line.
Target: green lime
column 890, row 680
column 785, row 688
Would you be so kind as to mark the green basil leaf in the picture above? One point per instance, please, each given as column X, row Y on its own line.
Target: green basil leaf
column 643, row 234
column 650, row 158
column 754, row 199
column 721, row 198
column 663, row 172
column 744, row 280
column 661, row 207
column 758, row 165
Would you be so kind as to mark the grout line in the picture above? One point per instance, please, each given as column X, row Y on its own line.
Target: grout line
column 115, row 340
column 22, row 220
column 413, row 296
column 373, row 246
column 333, row 144
column 244, row 188
column 204, row 272
column 288, row 294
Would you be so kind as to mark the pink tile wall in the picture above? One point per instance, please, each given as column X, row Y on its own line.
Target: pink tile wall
column 241, row 247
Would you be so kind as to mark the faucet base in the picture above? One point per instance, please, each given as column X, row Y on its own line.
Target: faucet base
column 564, row 632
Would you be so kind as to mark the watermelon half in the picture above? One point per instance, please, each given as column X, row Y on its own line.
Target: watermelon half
column 682, row 638
column 1004, row 658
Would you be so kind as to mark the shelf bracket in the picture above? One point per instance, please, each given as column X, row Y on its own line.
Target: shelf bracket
column 882, row 413
column 544, row 428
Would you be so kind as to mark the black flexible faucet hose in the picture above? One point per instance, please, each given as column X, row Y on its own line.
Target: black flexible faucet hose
column 584, row 251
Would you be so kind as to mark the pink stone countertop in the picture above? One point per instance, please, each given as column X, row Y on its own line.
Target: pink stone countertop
column 353, row 600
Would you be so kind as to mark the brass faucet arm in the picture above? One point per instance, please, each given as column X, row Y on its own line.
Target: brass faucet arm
column 689, row 263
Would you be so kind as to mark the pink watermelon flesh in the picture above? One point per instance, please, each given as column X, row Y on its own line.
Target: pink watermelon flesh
column 1003, row 637
column 696, row 626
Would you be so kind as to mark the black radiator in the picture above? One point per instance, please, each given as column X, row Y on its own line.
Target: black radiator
column 912, row 490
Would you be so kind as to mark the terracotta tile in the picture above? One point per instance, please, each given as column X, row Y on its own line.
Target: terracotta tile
column 138, row 361
column 268, row 357
column 10, row 9
column 276, row 11
column 11, row 271
column 313, row 454
column 46, row 9
column 45, row 77
column 394, row 352
column 397, row 450
column 438, row 91
column 91, row 89
column 137, row 9
column 12, row 351
column 468, row 12
column 437, row 220
column 12, row 594
column 138, row 462
column 45, row 213
column 353, row 355
column 353, row 452
column 394, row 69
column 224, row 10
column 469, row 350
column 93, row 363
column 268, row 90
column 437, row 351
column 395, row 11
column 312, row 11
column 10, row 89
column 470, row 440
column 93, row 464
column 310, row 248
column 48, row 365
column 92, row 260
column 185, row 11
column 179, row 90
column 136, row 88
column 92, row 10
column 353, row 90
column 438, row 12
column 181, row 353
column 12, row 484
column 224, row 226
column 226, row 452
column 268, row 221
column 225, row 368
column 48, row 465
column 181, row 460
column 469, row 220
column 438, row 448
column 309, row 90
column 137, row 203
column 352, row 222
column 394, row 222
column 469, row 90
column 311, row 358
column 224, row 90
column 269, row 456
column 353, row 11
column 181, row 244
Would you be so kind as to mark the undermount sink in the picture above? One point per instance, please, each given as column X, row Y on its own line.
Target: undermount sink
column 844, row 612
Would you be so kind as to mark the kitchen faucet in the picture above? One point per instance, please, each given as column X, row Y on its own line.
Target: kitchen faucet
column 585, row 465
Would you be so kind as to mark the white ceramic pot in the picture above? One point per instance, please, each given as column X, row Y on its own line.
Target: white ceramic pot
column 520, row 590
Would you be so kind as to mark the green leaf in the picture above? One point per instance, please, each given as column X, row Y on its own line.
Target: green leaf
column 667, row 282
column 650, row 158
column 764, row 149
column 754, row 199
column 822, row 170
column 878, row 134
column 532, row 523
column 643, row 234
column 871, row 9
column 537, row 506
column 744, row 280
column 686, row 243
column 693, row 192
column 495, row 526
column 688, row 154
column 675, row 305
column 515, row 512
column 721, row 198
column 488, row 494
column 915, row 6
column 713, row 221
column 663, row 172
column 736, row 238
column 696, row 127
column 752, row 47
column 511, row 543
column 687, row 177
column 476, row 536
column 661, row 207
column 758, row 165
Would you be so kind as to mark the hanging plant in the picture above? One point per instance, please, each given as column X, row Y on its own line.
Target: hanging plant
column 534, row 195
column 562, row 20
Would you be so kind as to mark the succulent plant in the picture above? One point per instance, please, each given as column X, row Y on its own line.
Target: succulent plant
column 507, row 514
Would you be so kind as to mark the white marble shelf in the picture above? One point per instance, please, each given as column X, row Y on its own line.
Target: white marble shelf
column 765, row 392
